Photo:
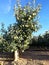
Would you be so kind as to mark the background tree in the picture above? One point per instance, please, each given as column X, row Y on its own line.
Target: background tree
column 3, row 43
column 41, row 42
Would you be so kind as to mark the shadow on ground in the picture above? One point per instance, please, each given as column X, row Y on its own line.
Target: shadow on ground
column 35, row 55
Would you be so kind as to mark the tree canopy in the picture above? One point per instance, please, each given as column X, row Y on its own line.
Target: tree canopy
column 19, row 34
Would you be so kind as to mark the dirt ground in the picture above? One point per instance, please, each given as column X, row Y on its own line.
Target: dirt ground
column 34, row 58
column 31, row 58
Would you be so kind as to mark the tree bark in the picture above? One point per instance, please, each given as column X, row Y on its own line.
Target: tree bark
column 16, row 55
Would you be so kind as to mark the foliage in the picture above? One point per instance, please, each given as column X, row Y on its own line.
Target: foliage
column 3, row 42
column 41, row 41
column 27, row 23
column 44, row 40
column 18, row 35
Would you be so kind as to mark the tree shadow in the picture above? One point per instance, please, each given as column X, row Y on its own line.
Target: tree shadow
column 35, row 55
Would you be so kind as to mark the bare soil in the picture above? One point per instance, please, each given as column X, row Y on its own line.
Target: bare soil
column 34, row 58
column 31, row 58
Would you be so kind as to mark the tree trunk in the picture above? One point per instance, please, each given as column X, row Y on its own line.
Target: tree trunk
column 16, row 55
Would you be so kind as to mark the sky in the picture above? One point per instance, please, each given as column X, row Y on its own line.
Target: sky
column 7, row 13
